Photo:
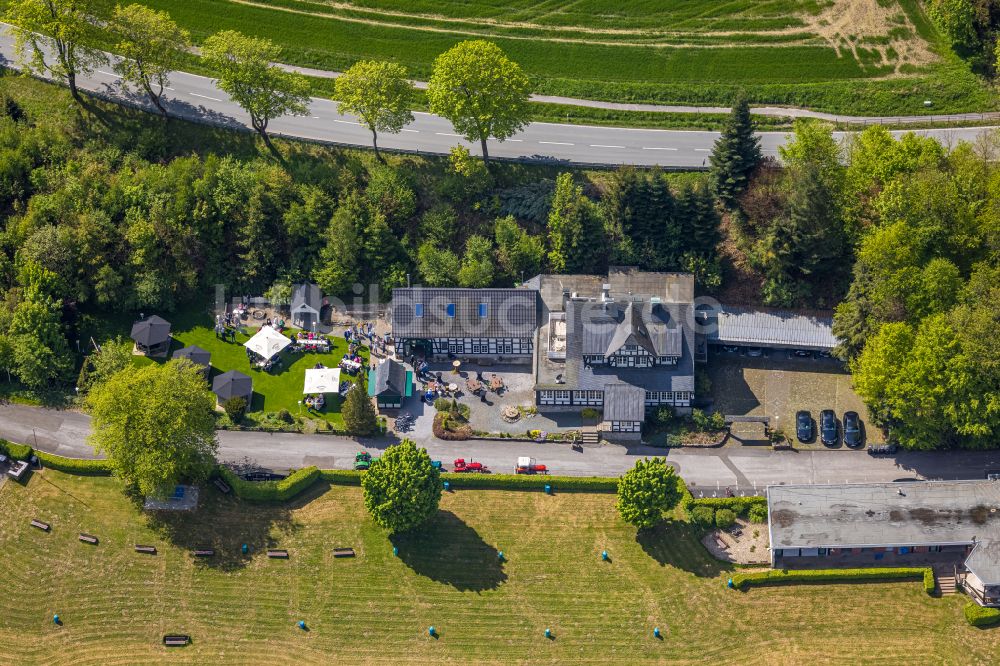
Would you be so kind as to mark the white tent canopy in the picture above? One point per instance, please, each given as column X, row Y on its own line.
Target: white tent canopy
column 267, row 342
column 322, row 380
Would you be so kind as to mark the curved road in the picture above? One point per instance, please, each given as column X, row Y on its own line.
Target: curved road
column 707, row 471
column 197, row 98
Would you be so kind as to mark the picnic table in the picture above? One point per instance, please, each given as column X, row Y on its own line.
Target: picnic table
column 496, row 383
column 474, row 385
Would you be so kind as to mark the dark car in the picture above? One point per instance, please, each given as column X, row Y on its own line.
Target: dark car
column 828, row 427
column 803, row 426
column 755, row 352
column 802, row 353
column 852, row 430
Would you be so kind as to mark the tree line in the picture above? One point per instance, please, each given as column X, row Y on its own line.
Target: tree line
column 474, row 85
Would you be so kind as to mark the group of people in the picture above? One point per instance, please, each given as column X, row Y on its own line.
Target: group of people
column 364, row 333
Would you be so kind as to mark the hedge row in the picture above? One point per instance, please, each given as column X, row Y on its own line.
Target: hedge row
column 74, row 465
column 981, row 616
column 17, row 451
column 744, row 580
column 270, row 491
column 531, row 482
column 738, row 505
column 341, row 477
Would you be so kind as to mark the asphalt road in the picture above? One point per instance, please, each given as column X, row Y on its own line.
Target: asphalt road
column 197, row 98
column 707, row 471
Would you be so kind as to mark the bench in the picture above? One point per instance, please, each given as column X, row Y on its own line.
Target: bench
column 721, row 544
column 176, row 640
column 343, row 552
column 204, row 552
column 45, row 527
column 88, row 538
column 149, row 550
column 222, row 486
column 283, row 554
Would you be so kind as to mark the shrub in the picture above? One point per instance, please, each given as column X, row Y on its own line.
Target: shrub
column 285, row 416
column 442, row 404
column 930, row 585
column 590, row 413
column 703, row 516
column 724, row 518
column 739, row 505
column 717, row 421
column 529, row 482
column 341, row 477
column 18, row 451
column 664, row 415
column 744, row 580
column 757, row 513
column 981, row 616
column 234, row 408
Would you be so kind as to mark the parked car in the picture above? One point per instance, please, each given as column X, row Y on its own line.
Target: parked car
column 804, row 426
column 754, row 352
column 803, row 353
column 730, row 349
column 882, row 449
column 852, row 430
column 828, row 427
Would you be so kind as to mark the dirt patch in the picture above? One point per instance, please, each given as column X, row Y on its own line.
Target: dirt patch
column 750, row 547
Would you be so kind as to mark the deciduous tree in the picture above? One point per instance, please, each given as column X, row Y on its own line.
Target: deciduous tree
column 151, row 46
column 63, row 24
column 246, row 74
column 481, row 91
column 576, row 233
column 402, row 489
column 646, row 492
column 156, row 426
column 379, row 93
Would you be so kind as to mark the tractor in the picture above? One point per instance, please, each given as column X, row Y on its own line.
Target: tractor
column 471, row 466
column 363, row 460
column 526, row 465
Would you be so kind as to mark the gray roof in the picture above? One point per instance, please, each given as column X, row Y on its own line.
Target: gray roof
column 307, row 294
column 572, row 374
column 510, row 313
column 606, row 327
column 151, row 331
column 623, row 402
column 772, row 328
column 390, row 377
column 232, row 384
column 984, row 561
column 195, row 354
column 887, row 514
column 622, row 283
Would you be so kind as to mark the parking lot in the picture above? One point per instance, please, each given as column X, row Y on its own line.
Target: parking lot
column 777, row 386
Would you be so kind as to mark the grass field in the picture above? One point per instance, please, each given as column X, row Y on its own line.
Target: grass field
column 858, row 56
column 116, row 605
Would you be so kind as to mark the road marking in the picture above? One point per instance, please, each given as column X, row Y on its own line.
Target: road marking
column 600, row 145
column 167, row 88
column 555, row 143
column 515, row 140
column 345, row 122
column 656, row 148
column 101, row 71
column 702, row 150
column 446, row 134
column 409, row 130
column 214, row 99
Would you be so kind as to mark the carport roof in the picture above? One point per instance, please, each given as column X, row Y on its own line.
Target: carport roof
column 867, row 515
column 771, row 328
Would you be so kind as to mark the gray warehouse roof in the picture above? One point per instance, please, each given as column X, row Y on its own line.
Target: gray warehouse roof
column 884, row 514
column 767, row 328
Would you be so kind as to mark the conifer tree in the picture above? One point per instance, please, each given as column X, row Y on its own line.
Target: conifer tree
column 736, row 154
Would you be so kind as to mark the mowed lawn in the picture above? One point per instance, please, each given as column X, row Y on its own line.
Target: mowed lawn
column 116, row 604
column 272, row 391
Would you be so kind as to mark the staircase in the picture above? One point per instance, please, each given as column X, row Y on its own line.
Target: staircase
column 589, row 437
column 945, row 583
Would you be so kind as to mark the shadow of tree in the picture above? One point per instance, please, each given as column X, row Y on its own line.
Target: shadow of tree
column 448, row 551
column 678, row 544
column 224, row 523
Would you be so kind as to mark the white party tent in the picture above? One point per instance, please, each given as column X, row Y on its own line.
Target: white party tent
column 267, row 342
column 322, row 380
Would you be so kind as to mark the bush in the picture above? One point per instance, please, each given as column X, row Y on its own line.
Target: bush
column 930, row 585
column 779, row 577
column 18, row 451
column 757, row 513
column 664, row 415
column 530, row 482
column 981, row 616
column 590, row 413
column 270, row 491
column 285, row 416
column 725, row 518
column 703, row 516
column 341, row 477
column 234, row 408
column 738, row 505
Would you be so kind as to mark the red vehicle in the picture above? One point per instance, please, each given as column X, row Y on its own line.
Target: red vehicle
column 471, row 466
column 527, row 465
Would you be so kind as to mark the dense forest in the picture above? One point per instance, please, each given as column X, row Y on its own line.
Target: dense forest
column 113, row 211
